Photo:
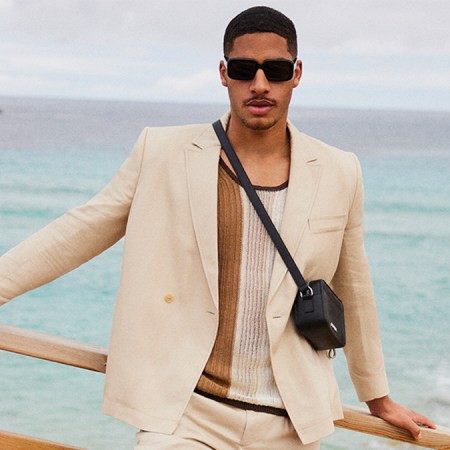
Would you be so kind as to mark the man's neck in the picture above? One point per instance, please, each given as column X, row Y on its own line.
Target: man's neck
column 265, row 154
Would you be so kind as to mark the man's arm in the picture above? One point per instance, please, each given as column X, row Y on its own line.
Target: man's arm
column 363, row 350
column 352, row 283
column 74, row 238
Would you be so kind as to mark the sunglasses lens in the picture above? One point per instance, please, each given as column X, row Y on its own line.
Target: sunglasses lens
column 278, row 70
column 274, row 69
column 242, row 69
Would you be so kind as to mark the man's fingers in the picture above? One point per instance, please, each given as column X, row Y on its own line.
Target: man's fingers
column 424, row 421
column 406, row 422
column 412, row 427
column 414, row 430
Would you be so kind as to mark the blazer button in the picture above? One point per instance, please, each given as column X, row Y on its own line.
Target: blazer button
column 169, row 298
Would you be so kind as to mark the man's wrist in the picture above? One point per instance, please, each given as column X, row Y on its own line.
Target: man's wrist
column 376, row 405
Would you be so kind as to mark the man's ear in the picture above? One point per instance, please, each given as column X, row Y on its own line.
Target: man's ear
column 298, row 72
column 223, row 73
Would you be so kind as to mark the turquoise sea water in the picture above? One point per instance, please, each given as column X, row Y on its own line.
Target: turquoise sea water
column 56, row 154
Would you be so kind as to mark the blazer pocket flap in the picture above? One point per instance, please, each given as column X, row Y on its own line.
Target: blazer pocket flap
column 327, row 223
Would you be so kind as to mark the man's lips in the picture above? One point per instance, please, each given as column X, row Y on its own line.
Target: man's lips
column 260, row 102
column 259, row 106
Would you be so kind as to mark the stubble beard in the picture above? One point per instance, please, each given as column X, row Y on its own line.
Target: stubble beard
column 258, row 123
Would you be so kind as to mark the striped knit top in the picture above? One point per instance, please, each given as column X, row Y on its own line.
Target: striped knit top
column 239, row 366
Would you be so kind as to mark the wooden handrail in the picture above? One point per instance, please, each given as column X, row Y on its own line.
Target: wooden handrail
column 359, row 419
column 52, row 348
column 12, row 441
column 92, row 357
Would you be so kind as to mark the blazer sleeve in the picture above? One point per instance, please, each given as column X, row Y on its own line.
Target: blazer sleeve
column 352, row 283
column 75, row 237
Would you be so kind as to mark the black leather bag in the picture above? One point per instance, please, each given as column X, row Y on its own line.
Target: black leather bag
column 319, row 316
column 318, row 312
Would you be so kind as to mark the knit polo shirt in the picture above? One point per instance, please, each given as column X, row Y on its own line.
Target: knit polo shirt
column 239, row 366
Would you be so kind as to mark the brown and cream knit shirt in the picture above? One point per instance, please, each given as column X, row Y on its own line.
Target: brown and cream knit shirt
column 239, row 366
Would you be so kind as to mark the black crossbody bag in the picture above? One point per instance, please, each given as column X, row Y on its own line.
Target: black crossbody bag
column 318, row 312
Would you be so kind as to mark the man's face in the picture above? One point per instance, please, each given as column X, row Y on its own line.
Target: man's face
column 260, row 104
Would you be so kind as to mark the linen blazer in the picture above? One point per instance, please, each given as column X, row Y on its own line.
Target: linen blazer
column 164, row 201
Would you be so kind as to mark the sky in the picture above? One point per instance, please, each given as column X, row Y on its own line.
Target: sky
column 356, row 53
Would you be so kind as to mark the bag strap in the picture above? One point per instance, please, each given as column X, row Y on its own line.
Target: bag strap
column 304, row 288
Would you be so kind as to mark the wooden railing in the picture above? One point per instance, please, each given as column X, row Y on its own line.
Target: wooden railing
column 11, row 441
column 92, row 357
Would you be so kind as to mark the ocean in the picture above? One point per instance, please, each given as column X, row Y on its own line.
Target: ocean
column 56, row 154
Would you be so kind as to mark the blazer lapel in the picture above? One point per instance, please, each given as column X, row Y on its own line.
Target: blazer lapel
column 303, row 183
column 202, row 160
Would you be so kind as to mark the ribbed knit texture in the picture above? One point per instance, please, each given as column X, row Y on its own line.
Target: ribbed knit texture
column 239, row 366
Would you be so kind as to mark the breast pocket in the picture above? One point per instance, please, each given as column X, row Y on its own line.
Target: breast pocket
column 323, row 245
column 327, row 224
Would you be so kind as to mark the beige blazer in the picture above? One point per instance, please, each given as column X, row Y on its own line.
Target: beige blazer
column 164, row 200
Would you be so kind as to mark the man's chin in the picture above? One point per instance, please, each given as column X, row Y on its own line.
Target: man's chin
column 259, row 123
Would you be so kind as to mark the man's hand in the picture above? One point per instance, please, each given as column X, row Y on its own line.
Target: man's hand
column 398, row 415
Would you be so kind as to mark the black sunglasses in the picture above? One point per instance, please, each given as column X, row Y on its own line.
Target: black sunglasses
column 274, row 69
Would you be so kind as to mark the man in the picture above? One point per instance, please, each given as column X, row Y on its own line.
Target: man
column 204, row 353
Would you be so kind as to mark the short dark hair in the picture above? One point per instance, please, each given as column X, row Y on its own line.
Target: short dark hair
column 260, row 19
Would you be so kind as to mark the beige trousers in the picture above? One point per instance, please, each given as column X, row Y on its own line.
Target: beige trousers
column 208, row 424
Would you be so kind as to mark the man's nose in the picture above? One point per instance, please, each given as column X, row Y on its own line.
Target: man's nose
column 260, row 82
